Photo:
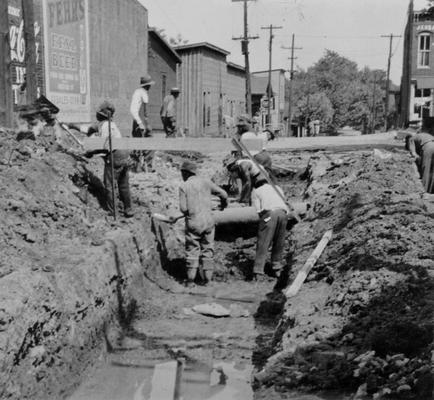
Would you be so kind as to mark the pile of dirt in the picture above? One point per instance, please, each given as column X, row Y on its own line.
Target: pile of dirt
column 67, row 269
column 364, row 319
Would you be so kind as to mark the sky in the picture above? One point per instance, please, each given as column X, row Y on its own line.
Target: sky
column 352, row 28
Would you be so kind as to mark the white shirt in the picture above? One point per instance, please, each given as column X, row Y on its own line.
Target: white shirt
column 265, row 198
column 140, row 96
column 261, row 137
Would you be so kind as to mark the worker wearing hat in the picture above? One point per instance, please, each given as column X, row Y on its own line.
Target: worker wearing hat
column 195, row 204
column 141, row 126
column 121, row 160
column 168, row 112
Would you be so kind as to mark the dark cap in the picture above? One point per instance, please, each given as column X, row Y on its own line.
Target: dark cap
column 106, row 109
column 189, row 166
column 174, row 90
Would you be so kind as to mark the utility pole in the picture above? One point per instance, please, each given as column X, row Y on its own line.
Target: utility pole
column 386, row 101
column 291, row 77
column 270, row 51
column 374, row 105
column 245, row 50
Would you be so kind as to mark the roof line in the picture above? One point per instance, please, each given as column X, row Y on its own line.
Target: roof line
column 165, row 43
column 202, row 44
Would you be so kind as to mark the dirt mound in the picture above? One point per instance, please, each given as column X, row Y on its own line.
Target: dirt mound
column 364, row 319
column 67, row 269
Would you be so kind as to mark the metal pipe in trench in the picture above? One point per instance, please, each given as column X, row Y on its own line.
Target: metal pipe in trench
column 248, row 215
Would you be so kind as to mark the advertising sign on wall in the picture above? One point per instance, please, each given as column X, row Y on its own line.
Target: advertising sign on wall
column 18, row 50
column 66, row 39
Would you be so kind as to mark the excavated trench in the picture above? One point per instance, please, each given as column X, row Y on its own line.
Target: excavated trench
column 94, row 309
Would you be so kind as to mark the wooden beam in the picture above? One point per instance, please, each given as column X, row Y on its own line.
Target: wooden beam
column 311, row 261
column 202, row 145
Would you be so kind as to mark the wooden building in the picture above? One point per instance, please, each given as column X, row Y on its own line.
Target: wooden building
column 211, row 90
column 279, row 101
column 163, row 62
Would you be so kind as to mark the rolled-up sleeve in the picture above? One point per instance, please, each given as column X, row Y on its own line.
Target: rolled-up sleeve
column 183, row 200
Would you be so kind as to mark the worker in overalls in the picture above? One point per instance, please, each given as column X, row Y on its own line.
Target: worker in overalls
column 195, row 204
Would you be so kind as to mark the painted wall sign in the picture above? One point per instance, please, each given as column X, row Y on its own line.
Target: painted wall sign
column 18, row 50
column 425, row 27
column 66, row 39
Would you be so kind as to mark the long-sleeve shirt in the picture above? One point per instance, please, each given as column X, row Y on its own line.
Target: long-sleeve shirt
column 195, row 202
column 139, row 102
column 265, row 198
column 168, row 109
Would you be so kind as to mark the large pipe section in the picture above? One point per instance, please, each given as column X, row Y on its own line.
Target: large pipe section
column 248, row 215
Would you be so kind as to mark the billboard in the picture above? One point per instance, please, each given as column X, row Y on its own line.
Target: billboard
column 18, row 50
column 66, row 43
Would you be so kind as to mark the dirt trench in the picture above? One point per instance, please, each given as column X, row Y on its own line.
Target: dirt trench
column 88, row 300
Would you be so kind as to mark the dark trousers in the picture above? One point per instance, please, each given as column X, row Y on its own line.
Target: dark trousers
column 169, row 126
column 271, row 231
column 121, row 178
column 142, row 157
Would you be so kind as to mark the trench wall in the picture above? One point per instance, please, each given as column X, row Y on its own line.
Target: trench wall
column 66, row 272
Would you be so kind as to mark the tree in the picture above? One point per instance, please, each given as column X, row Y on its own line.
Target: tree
column 173, row 41
column 336, row 81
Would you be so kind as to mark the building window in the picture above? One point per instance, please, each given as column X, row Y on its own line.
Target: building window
column 422, row 93
column 163, row 85
column 424, row 50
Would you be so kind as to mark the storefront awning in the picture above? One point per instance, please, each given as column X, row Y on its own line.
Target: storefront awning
column 425, row 82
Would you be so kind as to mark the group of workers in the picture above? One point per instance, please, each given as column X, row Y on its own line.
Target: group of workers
column 257, row 187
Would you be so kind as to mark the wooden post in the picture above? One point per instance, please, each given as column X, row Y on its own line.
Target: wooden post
column 311, row 261
column 6, row 96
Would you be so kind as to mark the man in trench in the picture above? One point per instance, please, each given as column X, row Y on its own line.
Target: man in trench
column 195, row 205
column 121, row 159
column 421, row 147
column 273, row 219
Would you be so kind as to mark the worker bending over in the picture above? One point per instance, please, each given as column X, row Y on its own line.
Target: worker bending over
column 248, row 173
column 273, row 218
column 195, row 204
column 421, row 147
column 120, row 159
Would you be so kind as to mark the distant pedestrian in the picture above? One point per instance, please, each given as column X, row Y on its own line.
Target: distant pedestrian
column 273, row 218
column 120, row 159
column 246, row 135
column 168, row 113
column 139, row 109
column 195, row 204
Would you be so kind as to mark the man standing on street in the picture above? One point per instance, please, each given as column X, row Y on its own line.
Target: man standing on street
column 273, row 219
column 195, row 204
column 141, row 126
column 168, row 113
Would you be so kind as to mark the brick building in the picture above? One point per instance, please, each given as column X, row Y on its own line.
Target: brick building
column 417, row 85
column 85, row 51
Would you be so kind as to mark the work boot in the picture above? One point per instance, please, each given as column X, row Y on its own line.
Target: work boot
column 208, row 269
column 192, row 267
column 261, row 278
column 128, row 213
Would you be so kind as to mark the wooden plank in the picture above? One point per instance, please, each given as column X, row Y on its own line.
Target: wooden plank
column 313, row 258
column 203, row 145
column 163, row 381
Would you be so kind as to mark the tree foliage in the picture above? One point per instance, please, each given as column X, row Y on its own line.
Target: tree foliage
column 334, row 91
column 178, row 40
